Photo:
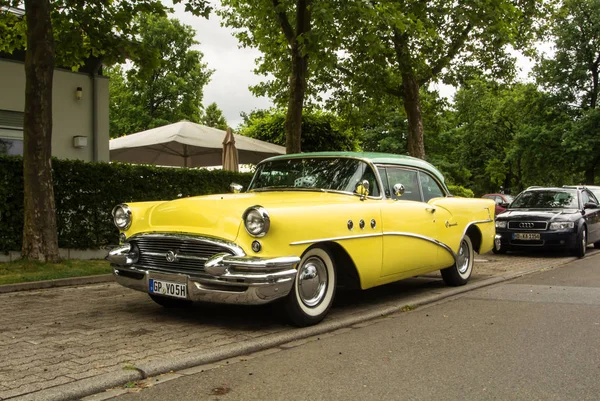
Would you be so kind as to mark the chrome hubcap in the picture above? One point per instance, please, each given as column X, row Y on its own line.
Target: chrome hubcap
column 312, row 281
column 463, row 258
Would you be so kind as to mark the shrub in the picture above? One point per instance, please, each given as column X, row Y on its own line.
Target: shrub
column 458, row 190
column 85, row 194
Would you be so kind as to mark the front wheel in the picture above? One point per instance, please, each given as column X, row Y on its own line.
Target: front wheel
column 581, row 243
column 313, row 290
column 460, row 272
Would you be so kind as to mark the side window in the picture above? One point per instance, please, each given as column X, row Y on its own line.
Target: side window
column 588, row 197
column 408, row 178
column 430, row 187
column 369, row 175
column 499, row 200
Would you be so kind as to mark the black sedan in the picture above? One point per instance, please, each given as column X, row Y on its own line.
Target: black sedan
column 550, row 218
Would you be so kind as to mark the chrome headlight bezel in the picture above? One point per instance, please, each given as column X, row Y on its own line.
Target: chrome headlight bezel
column 561, row 225
column 122, row 216
column 256, row 221
column 501, row 223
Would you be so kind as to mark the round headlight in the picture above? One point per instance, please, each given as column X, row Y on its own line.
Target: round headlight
column 256, row 221
column 122, row 216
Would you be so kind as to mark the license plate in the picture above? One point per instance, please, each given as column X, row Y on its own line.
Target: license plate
column 526, row 236
column 168, row 289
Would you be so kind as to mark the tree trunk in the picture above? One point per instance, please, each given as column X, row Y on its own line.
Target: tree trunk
column 299, row 75
column 412, row 106
column 40, row 239
column 293, row 119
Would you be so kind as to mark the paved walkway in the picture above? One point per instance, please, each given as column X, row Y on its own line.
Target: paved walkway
column 67, row 342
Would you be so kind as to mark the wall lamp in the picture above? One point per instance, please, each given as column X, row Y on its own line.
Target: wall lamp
column 79, row 93
column 79, row 142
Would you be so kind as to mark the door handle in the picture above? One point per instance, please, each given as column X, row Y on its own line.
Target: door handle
column 430, row 209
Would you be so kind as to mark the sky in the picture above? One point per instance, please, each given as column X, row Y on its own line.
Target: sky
column 233, row 67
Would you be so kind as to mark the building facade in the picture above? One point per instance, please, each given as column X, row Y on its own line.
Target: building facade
column 79, row 111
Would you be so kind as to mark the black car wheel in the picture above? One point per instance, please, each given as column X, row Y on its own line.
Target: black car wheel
column 581, row 243
column 167, row 302
column 597, row 245
column 500, row 251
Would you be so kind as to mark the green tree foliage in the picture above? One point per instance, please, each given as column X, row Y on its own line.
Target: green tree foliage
column 510, row 136
column 573, row 73
column 321, row 131
column 68, row 34
column 213, row 117
column 573, row 70
column 392, row 49
column 163, row 88
column 295, row 38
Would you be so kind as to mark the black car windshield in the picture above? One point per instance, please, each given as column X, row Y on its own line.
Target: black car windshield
column 546, row 199
column 322, row 173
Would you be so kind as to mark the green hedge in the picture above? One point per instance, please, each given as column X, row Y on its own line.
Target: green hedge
column 457, row 190
column 85, row 194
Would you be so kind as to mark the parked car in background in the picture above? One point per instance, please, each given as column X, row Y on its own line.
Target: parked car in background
column 502, row 201
column 550, row 218
column 307, row 224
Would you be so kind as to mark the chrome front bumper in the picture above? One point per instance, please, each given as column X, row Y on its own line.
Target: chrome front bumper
column 226, row 278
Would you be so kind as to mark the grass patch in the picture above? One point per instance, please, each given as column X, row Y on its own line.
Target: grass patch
column 22, row 271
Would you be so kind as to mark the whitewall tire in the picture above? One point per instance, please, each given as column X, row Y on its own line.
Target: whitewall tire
column 460, row 272
column 314, row 288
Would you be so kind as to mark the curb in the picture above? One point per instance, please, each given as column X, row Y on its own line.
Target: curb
column 95, row 385
column 60, row 282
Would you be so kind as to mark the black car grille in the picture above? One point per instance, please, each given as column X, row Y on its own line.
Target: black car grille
column 527, row 225
column 191, row 254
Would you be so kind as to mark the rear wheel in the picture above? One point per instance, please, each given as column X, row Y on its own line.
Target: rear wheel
column 314, row 288
column 597, row 245
column 170, row 302
column 460, row 272
column 581, row 243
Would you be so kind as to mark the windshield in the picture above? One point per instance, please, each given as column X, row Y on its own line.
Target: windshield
column 550, row 199
column 335, row 174
column 509, row 198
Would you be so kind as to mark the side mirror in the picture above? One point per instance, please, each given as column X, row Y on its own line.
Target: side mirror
column 399, row 189
column 235, row 188
column 362, row 188
column 504, row 204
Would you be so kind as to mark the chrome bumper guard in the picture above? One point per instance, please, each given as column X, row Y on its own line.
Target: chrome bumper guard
column 226, row 278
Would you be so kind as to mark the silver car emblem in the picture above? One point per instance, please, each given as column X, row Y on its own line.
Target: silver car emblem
column 171, row 256
column 525, row 225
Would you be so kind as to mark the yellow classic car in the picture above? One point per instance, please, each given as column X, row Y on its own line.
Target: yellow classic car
column 308, row 223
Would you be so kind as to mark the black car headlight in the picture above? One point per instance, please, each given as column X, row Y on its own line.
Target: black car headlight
column 256, row 221
column 122, row 216
column 562, row 225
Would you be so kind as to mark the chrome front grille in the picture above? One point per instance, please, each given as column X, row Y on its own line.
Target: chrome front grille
column 527, row 225
column 177, row 254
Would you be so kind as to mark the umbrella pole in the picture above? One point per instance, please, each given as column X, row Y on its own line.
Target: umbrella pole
column 186, row 161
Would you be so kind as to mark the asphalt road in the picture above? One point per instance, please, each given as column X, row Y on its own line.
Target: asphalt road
column 534, row 338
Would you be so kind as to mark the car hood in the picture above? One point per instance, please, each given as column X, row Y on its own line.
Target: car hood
column 221, row 215
column 539, row 214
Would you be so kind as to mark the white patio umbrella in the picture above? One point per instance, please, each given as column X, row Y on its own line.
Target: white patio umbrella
column 230, row 153
column 187, row 144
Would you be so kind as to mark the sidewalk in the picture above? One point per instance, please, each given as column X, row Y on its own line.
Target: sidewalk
column 69, row 342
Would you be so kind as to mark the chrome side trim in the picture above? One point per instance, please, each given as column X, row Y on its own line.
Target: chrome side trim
column 312, row 241
column 428, row 239
column 234, row 248
column 403, row 234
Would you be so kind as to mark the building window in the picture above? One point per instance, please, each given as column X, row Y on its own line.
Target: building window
column 11, row 132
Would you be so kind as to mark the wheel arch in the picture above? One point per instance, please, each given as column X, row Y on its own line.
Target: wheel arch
column 474, row 233
column 347, row 274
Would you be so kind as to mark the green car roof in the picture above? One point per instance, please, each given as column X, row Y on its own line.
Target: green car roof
column 373, row 157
